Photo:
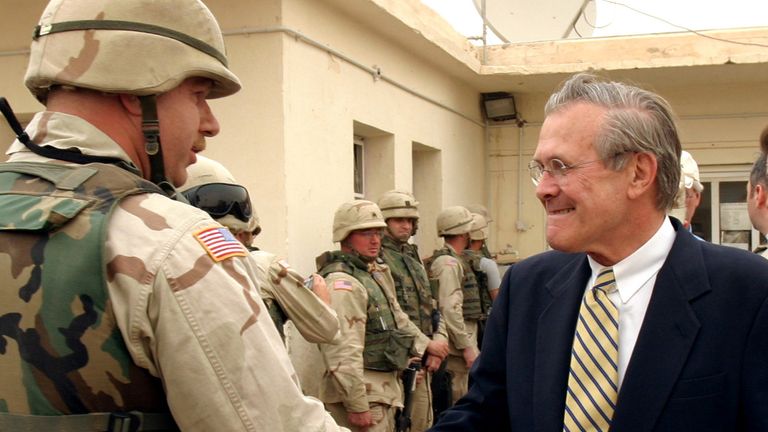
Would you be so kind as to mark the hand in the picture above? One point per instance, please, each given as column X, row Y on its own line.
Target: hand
column 362, row 420
column 433, row 363
column 470, row 354
column 420, row 376
column 320, row 288
column 438, row 348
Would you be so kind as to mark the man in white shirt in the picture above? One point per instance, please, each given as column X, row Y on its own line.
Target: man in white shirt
column 630, row 323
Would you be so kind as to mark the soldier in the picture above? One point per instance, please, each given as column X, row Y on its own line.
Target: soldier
column 485, row 269
column 120, row 307
column 459, row 296
column 401, row 213
column 212, row 188
column 482, row 211
column 361, row 387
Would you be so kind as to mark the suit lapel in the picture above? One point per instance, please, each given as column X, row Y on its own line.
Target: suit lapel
column 555, row 329
column 667, row 334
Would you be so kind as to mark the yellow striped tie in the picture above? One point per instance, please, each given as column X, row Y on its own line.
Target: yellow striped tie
column 593, row 378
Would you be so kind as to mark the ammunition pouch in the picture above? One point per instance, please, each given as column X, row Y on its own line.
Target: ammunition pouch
column 387, row 350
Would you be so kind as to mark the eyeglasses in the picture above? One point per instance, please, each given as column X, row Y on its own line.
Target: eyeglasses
column 370, row 233
column 221, row 199
column 557, row 168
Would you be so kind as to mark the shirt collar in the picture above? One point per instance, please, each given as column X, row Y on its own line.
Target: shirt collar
column 66, row 131
column 634, row 271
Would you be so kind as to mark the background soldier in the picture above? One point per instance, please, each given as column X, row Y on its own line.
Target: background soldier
column 482, row 211
column 112, row 299
column 485, row 270
column 400, row 211
column 212, row 188
column 459, row 296
column 361, row 387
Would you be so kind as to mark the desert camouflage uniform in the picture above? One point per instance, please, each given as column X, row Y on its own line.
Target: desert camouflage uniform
column 347, row 386
column 450, row 272
column 196, row 324
column 287, row 298
column 415, row 298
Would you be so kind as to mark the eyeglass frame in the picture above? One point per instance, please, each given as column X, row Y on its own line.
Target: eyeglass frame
column 536, row 166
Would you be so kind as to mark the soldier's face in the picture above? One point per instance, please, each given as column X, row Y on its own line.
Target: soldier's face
column 400, row 228
column 185, row 121
column 365, row 242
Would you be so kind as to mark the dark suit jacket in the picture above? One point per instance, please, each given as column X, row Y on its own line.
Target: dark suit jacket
column 700, row 362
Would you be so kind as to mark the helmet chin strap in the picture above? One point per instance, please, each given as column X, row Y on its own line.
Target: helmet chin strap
column 150, row 127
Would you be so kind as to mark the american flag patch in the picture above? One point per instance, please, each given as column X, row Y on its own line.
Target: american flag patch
column 220, row 243
column 343, row 285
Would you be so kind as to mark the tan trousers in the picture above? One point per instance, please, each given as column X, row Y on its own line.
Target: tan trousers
column 383, row 417
column 421, row 414
column 460, row 376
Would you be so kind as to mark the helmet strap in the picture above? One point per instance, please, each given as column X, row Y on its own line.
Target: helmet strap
column 150, row 127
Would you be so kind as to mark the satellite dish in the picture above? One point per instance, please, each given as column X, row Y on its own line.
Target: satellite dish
column 525, row 21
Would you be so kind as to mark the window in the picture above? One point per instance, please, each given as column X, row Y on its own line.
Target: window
column 359, row 171
column 722, row 216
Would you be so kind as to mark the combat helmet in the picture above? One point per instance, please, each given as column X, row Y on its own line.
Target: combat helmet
column 453, row 221
column 356, row 215
column 394, row 204
column 479, row 227
column 212, row 188
column 481, row 210
column 127, row 46
column 139, row 47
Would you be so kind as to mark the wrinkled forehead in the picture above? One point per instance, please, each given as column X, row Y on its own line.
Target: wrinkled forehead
column 570, row 132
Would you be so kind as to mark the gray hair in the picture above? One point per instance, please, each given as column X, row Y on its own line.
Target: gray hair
column 637, row 121
column 759, row 173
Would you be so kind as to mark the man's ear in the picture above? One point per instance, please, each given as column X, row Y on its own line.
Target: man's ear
column 760, row 196
column 643, row 168
column 130, row 103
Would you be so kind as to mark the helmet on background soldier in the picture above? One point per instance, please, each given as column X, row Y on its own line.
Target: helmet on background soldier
column 398, row 204
column 128, row 46
column 454, row 220
column 481, row 210
column 479, row 227
column 356, row 215
column 212, row 188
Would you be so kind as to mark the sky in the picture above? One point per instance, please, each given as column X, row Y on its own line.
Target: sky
column 604, row 17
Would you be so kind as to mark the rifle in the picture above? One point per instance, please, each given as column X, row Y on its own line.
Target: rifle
column 403, row 417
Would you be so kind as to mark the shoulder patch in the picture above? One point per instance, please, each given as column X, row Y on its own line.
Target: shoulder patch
column 343, row 285
column 220, row 243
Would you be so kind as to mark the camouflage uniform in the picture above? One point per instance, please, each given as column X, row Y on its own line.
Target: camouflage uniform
column 459, row 312
column 287, row 298
column 415, row 298
column 195, row 324
column 348, row 383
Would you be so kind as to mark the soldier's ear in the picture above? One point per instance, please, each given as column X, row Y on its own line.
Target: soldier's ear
column 131, row 103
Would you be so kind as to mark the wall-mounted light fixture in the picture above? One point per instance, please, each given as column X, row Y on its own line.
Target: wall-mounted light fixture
column 499, row 106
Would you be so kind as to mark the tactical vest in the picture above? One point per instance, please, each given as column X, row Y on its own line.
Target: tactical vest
column 471, row 307
column 472, row 259
column 386, row 347
column 62, row 351
column 277, row 314
column 411, row 283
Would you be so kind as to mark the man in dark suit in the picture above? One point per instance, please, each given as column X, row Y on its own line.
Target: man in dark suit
column 630, row 324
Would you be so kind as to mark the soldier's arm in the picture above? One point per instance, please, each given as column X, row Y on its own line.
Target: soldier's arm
column 201, row 327
column 451, row 298
column 315, row 320
column 494, row 277
column 344, row 360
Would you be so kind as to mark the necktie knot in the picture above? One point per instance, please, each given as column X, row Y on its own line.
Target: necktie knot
column 606, row 281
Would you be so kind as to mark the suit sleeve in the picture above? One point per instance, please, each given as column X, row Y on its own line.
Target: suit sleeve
column 755, row 375
column 484, row 407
